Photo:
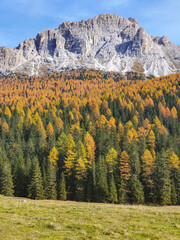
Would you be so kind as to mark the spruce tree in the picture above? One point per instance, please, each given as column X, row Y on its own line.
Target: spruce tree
column 163, row 179
column 112, row 196
column 35, row 188
column 177, row 184
column 20, row 179
column 50, row 188
column 134, row 160
column 122, row 191
column 89, row 186
column 173, row 194
column 101, row 180
column 62, row 195
column 136, row 190
column 1, row 171
column 6, row 180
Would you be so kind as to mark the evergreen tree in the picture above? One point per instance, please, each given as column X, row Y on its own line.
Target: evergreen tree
column 50, row 188
column 1, row 171
column 20, row 179
column 122, row 191
column 173, row 194
column 136, row 190
column 6, row 180
column 112, row 196
column 163, row 179
column 89, row 185
column 35, row 188
column 62, row 146
column 134, row 161
column 101, row 180
column 62, row 195
column 177, row 184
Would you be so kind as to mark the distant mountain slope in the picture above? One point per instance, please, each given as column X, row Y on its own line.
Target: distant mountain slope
column 108, row 42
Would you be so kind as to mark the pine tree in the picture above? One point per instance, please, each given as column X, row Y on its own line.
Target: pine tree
column 35, row 188
column 62, row 195
column 6, row 180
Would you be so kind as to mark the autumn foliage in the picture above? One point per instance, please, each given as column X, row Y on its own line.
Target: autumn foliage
column 92, row 133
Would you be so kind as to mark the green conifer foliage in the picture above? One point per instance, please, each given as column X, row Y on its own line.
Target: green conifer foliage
column 112, row 196
column 101, row 180
column 62, row 195
column 164, row 182
column 50, row 189
column 7, row 187
column 136, row 190
column 173, row 194
column 122, row 191
column 35, row 188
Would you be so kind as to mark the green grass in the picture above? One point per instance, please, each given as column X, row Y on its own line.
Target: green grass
column 47, row 219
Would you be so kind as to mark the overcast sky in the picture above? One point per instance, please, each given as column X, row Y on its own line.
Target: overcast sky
column 22, row 19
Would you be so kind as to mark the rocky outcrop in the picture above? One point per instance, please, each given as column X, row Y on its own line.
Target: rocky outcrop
column 108, row 42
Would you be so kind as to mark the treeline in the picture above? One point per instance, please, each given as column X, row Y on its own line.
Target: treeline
column 89, row 136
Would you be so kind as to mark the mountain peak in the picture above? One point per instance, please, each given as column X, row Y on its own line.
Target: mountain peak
column 108, row 42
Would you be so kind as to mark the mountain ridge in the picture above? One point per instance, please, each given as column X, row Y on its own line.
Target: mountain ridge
column 108, row 42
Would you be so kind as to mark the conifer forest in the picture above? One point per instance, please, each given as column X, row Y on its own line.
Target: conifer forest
column 89, row 135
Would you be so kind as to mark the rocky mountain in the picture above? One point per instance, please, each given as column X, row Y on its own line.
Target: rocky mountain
column 108, row 42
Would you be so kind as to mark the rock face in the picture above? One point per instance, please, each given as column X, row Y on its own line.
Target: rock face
column 108, row 42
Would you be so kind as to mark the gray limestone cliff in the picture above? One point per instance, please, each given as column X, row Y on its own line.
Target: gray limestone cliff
column 108, row 42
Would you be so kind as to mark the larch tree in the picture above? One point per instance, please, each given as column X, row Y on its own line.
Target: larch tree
column 111, row 159
column 53, row 157
column 148, row 167
column 125, row 169
column 91, row 147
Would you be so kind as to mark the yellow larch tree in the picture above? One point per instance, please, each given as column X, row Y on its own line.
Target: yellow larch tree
column 125, row 168
column 90, row 147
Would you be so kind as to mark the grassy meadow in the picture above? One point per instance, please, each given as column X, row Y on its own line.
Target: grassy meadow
column 48, row 219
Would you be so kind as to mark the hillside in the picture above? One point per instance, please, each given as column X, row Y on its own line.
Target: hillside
column 108, row 42
column 91, row 136
column 72, row 220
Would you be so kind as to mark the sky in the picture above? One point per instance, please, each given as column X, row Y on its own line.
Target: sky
column 22, row 19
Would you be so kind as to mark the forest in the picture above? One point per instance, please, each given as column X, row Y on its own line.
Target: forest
column 89, row 135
